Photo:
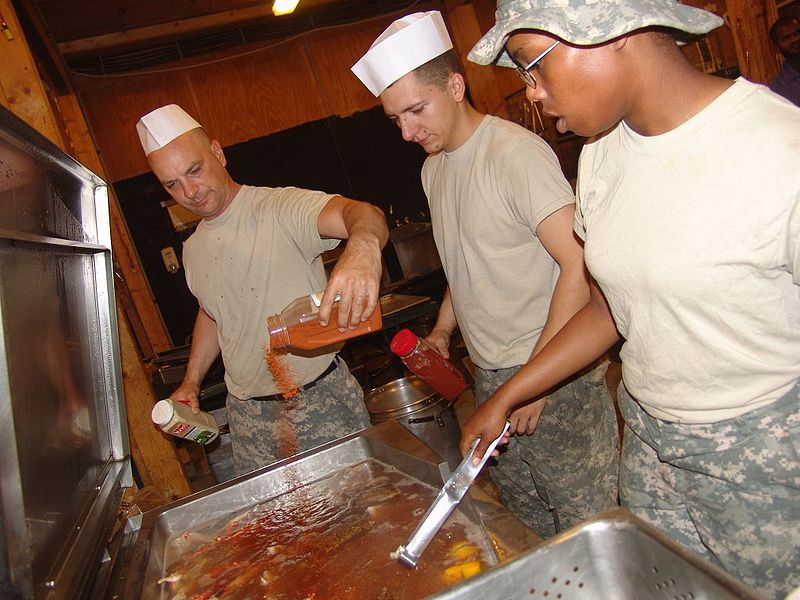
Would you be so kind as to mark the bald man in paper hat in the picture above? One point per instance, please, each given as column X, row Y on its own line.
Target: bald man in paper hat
column 255, row 250
column 502, row 215
column 688, row 205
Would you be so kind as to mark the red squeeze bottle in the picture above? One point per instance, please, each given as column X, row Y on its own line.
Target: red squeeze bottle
column 427, row 364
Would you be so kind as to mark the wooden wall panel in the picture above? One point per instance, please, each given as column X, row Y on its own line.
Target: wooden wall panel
column 237, row 99
column 246, row 94
column 506, row 80
column 330, row 58
column 465, row 31
column 720, row 50
column 259, row 94
column 112, row 107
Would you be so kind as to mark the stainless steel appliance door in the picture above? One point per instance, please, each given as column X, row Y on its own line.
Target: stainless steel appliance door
column 61, row 409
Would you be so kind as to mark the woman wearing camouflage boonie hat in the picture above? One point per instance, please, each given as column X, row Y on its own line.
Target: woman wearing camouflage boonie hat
column 688, row 198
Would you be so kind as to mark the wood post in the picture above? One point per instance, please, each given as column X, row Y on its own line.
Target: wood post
column 750, row 21
column 153, row 452
column 22, row 90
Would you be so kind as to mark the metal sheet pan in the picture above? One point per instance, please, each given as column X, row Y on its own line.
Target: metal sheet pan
column 388, row 443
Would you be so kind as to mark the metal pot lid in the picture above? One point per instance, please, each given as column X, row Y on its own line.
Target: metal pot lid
column 401, row 397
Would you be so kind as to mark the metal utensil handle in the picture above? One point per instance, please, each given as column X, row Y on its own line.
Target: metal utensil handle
column 471, row 470
column 450, row 495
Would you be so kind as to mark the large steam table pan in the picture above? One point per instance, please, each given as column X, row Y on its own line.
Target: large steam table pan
column 504, row 536
column 613, row 556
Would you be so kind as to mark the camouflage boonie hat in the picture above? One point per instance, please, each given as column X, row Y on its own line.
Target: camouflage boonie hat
column 586, row 22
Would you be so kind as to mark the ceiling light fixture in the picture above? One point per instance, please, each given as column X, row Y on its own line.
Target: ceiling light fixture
column 284, row 7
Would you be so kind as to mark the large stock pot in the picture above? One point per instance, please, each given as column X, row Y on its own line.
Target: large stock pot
column 420, row 409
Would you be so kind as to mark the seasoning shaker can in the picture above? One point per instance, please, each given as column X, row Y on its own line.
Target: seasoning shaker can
column 176, row 418
column 298, row 325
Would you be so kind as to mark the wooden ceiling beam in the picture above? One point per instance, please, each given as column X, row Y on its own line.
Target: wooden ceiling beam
column 152, row 33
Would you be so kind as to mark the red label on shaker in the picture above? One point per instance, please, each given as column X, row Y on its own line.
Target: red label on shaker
column 180, row 429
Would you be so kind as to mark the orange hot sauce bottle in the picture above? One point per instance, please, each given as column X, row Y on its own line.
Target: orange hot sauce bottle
column 298, row 326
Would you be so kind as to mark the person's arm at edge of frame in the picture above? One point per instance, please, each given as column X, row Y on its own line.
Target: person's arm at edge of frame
column 584, row 338
column 439, row 337
column 570, row 294
column 356, row 278
column 205, row 349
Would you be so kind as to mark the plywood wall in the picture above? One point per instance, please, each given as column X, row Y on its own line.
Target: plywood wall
column 250, row 94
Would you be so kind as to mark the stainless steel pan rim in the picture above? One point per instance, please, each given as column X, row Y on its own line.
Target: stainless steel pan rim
column 402, row 398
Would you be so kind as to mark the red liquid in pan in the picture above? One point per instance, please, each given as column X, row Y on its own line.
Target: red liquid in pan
column 327, row 540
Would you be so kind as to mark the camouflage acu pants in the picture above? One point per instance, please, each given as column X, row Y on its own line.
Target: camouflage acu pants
column 265, row 431
column 730, row 491
column 566, row 471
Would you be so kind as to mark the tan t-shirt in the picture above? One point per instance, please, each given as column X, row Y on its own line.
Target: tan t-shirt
column 694, row 237
column 249, row 263
column 487, row 198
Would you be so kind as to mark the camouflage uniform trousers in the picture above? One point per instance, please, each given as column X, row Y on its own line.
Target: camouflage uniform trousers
column 730, row 490
column 269, row 430
column 566, row 471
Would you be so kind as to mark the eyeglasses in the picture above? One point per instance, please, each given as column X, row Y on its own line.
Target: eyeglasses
column 525, row 72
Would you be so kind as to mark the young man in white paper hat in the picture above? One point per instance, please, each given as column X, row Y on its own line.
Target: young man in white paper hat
column 502, row 215
column 688, row 205
column 255, row 250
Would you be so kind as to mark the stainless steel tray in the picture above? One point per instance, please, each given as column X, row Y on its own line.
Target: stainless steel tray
column 388, row 443
column 614, row 555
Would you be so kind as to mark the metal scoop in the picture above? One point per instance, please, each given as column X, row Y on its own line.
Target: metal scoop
column 449, row 497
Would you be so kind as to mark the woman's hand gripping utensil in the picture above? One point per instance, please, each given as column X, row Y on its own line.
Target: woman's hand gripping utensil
column 449, row 497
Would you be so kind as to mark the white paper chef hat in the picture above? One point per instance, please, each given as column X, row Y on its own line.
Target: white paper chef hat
column 406, row 44
column 158, row 128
